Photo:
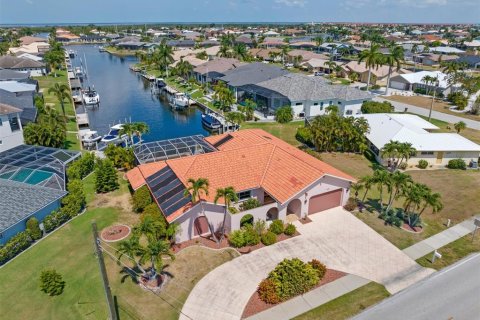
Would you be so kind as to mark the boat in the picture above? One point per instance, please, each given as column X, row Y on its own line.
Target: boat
column 78, row 72
column 71, row 54
column 102, row 49
column 90, row 96
column 180, row 100
column 114, row 136
column 159, row 83
column 77, row 97
column 211, row 121
column 89, row 136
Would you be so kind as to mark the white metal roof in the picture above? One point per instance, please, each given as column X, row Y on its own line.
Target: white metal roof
column 14, row 86
column 386, row 127
column 417, row 77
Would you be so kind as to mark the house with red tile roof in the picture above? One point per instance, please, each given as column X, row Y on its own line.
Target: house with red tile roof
column 286, row 181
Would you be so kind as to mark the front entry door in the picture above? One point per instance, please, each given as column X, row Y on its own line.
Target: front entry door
column 439, row 157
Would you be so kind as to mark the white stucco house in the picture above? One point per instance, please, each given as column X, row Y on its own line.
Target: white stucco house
column 285, row 180
column 11, row 133
column 436, row 148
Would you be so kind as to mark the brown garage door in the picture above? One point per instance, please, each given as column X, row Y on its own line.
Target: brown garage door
column 325, row 201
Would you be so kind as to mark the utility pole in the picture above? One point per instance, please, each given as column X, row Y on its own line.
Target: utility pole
column 103, row 271
column 433, row 99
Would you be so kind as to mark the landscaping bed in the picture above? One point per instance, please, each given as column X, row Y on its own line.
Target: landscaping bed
column 115, row 233
column 256, row 305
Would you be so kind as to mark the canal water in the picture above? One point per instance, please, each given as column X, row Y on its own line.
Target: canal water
column 125, row 96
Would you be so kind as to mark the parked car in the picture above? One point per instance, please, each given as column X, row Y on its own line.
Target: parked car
column 319, row 74
column 288, row 65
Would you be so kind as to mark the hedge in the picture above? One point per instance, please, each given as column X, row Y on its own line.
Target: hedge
column 457, row 164
column 422, row 164
column 377, row 107
column 82, row 167
column 269, row 238
column 33, row 228
column 14, row 246
column 290, row 229
column 276, row 227
column 141, row 198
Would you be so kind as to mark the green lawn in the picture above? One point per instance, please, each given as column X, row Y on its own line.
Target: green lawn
column 349, row 304
column 285, row 132
column 452, row 252
column 468, row 133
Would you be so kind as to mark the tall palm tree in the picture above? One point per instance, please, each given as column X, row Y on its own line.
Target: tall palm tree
column 372, row 57
column 432, row 200
column 195, row 189
column 240, row 52
column 130, row 248
column 318, row 42
column 184, row 68
column 284, row 53
column 357, row 187
column 381, row 179
column 229, row 195
column 61, row 92
column 414, row 56
column 163, row 56
column 155, row 251
column 406, row 151
column 331, row 66
column 394, row 58
column 399, row 181
column 390, row 149
column 129, row 130
column 140, row 128
column 151, row 228
column 414, row 196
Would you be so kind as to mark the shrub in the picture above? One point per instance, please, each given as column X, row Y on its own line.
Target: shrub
column 269, row 238
column 75, row 201
column 14, row 246
column 50, row 222
column 292, row 277
column 153, row 211
column 122, row 158
column 237, row 239
column 457, row 164
column 350, row 205
column 250, row 236
column 276, row 227
column 403, row 166
column 246, row 219
column 233, row 210
column 319, row 267
column 82, row 167
column 51, row 282
column 267, row 292
column 251, row 203
column 304, row 135
column 290, row 229
column 141, row 198
column 260, row 226
column 33, row 228
column 377, row 107
column 422, row 164
column 106, row 179
column 284, row 114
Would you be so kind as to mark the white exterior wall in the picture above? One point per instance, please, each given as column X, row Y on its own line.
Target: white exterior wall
column 354, row 106
column 432, row 158
column 9, row 139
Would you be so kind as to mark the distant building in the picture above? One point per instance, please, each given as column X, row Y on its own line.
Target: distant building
column 36, row 68
column 412, row 81
column 20, row 95
column 11, row 133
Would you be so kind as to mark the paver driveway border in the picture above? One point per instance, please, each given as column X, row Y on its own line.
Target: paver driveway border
column 335, row 237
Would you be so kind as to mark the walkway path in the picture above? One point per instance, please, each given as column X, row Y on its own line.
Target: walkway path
column 400, row 107
column 335, row 237
column 337, row 288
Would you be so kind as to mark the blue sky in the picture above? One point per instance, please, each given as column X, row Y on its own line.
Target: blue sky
column 71, row 11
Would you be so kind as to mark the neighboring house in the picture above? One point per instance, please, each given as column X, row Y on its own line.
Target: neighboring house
column 285, row 180
column 304, row 55
column 266, row 54
column 32, row 184
column 212, row 70
column 131, row 45
column 446, row 50
column 319, row 65
column 472, row 61
column 11, row 133
column 26, row 40
column 272, row 43
column 181, row 43
column 30, row 56
column 20, row 95
column 433, row 59
column 436, row 148
column 12, row 75
column 308, row 96
column 378, row 75
column 309, row 45
column 36, row 68
column 32, row 48
column 412, row 81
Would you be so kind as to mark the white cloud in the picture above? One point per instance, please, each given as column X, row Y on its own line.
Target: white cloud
column 292, row 3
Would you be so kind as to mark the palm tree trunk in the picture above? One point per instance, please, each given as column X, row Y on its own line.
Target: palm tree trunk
column 223, row 224
column 381, row 198
column 388, row 79
column 369, row 75
column 365, row 194
column 212, row 231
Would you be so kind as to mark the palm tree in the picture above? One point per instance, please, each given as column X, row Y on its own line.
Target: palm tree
column 372, row 58
column 413, row 199
column 399, row 181
column 130, row 248
column 140, row 128
column 357, row 187
column 163, row 56
column 459, row 126
column 414, row 52
column 229, row 195
column 61, row 92
column 318, row 42
column 394, row 58
column 151, row 228
column 129, row 130
column 331, row 66
column 195, row 189
column 390, row 149
column 155, row 251
column 432, row 200
column 285, row 50
column 184, row 68
column 427, row 80
column 405, row 151
column 240, row 52
column 381, row 179
column 367, row 182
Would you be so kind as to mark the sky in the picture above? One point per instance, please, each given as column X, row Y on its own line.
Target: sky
column 111, row 11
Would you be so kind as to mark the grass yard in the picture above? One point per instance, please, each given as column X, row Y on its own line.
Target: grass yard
column 452, row 252
column 285, row 132
column 70, row 251
column 468, row 133
column 349, row 304
column 425, row 102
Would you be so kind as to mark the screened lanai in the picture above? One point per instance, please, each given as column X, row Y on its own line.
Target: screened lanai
column 36, row 165
column 171, row 149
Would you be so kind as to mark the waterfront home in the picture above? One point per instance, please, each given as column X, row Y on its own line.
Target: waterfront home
column 36, row 68
column 212, row 70
column 308, row 96
column 433, row 59
column 378, row 75
column 272, row 43
column 11, row 133
column 32, row 48
column 273, row 54
column 436, row 148
column 471, row 61
column 299, row 56
column 26, row 40
column 32, row 184
column 288, row 183
column 20, row 95
column 413, row 81
column 320, row 65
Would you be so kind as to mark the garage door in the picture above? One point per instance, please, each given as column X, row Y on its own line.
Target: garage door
column 398, row 85
column 325, row 201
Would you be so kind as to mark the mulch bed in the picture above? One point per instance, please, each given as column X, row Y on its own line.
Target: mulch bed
column 115, row 233
column 305, row 220
column 256, row 305
column 408, row 228
column 209, row 242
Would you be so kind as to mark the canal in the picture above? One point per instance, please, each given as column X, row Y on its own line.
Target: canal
column 125, row 96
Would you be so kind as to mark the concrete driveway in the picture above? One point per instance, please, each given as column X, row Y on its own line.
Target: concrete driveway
column 335, row 237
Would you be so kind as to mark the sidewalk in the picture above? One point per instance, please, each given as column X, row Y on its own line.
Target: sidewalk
column 400, row 107
column 344, row 285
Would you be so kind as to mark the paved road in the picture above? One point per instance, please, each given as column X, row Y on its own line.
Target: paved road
column 450, row 294
column 335, row 237
column 400, row 107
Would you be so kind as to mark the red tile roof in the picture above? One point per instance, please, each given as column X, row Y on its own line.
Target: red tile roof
column 250, row 159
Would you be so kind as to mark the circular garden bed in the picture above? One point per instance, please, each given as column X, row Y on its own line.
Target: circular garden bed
column 115, row 233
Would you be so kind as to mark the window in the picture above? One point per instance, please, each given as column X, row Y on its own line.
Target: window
column 244, row 195
column 1, row 142
column 298, row 104
column 348, row 112
column 1, row 123
column 321, row 104
column 339, row 103
column 315, row 103
column 331, row 102
column 424, row 153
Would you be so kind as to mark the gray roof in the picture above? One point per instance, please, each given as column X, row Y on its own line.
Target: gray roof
column 22, row 101
column 297, row 87
column 11, row 62
column 7, row 74
column 220, row 65
column 252, row 73
column 20, row 200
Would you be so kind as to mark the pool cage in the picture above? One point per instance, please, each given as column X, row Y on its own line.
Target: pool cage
column 171, row 149
column 36, row 165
